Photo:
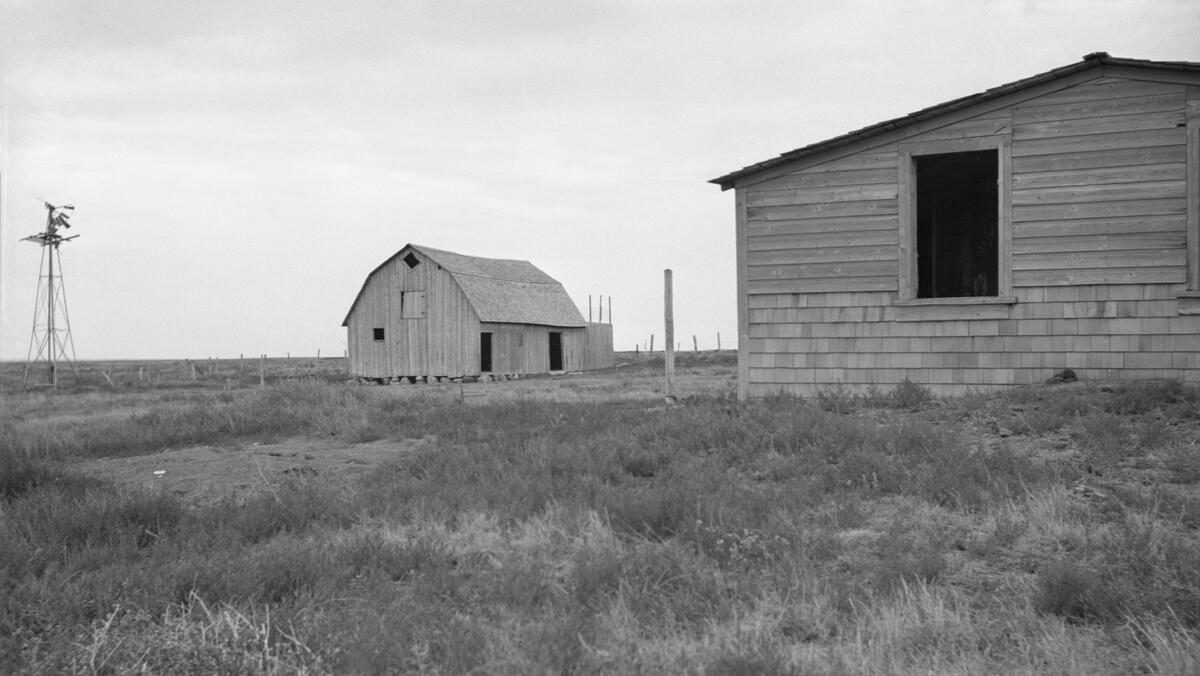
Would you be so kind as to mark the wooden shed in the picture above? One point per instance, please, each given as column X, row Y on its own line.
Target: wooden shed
column 425, row 313
column 992, row 240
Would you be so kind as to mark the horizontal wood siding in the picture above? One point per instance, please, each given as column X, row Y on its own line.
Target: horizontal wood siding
column 827, row 227
column 1099, row 185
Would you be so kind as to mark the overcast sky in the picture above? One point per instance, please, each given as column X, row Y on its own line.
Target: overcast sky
column 238, row 167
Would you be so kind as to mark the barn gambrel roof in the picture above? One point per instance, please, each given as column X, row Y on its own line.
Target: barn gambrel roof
column 499, row 290
column 1094, row 60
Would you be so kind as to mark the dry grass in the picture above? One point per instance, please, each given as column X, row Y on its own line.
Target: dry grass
column 576, row 524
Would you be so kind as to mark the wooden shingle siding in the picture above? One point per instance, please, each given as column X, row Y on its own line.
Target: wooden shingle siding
column 805, row 342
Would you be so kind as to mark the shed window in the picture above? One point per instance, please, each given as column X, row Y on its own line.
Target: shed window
column 955, row 221
column 957, row 225
column 377, row 333
column 411, row 261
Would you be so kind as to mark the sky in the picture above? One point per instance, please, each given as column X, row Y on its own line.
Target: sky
column 238, row 167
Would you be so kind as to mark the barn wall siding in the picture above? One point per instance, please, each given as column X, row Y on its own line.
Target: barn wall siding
column 1099, row 253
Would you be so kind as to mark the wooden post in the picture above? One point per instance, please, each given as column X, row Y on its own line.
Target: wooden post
column 599, row 308
column 695, row 345
column 610, row 309
column 318, row 354
column 262, row 371
column 651, row 350
column 192, row 364
column 718, row 341
column 589, row 308
column 669, row 321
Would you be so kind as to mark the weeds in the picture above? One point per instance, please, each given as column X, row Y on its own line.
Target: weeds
column 775, row 536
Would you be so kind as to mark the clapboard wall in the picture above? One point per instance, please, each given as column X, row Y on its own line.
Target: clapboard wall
column 1099, row 201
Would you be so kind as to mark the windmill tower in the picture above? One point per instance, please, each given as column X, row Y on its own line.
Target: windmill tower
column 51, row 334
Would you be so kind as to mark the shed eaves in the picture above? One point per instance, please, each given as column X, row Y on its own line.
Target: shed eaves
column 1090, row 61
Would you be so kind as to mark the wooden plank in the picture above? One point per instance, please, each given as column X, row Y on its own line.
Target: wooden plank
column 822, row 270
column 743, row 291
column 1100, row 176
column 820, row 240
column 884, row 158
column 1087, row 143
column 1104, row 192
column 1100, row 226
column 856, row 193
column 1094, row 142
column 1098, row 125
column 821, row 225
column 1175, row 239
column 1119, row 157
column 836, row 209
column 1128, row 258
column 991, row 125
column 1102, row 107
column 1138, row 208
column 879, row 283
column 809, row 256
column 814, row 178
column 1193, row 187
column 1149, row 275
column 1102, row 90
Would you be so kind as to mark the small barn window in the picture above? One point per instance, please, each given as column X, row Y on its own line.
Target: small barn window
column 377, row 333
column 411, row 261
column 955, row 220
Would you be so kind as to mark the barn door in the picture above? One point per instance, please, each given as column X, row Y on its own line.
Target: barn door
column 556, row 360
column 485, row 353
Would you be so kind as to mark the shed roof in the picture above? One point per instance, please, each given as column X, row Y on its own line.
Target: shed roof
column 1093, row 60
column 499, row 290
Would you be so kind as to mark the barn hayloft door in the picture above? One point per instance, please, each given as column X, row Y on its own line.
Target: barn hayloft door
column 556, row 360
column 485, row 353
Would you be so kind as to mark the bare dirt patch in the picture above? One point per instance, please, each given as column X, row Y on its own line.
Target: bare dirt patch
column 204, row 474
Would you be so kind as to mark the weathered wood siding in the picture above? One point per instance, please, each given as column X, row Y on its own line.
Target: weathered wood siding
column 598, row 347
column 1099, row 252
column 443, row 340
column 525, row 348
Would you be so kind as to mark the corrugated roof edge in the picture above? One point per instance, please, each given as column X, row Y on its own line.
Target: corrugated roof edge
column 1093, row 60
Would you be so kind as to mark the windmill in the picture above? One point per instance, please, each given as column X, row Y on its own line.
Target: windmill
column 51, row 334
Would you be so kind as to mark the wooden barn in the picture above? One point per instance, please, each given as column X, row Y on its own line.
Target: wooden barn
column 426, row 314
column 1050, row 223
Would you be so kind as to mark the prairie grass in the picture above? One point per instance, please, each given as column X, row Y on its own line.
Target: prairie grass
column 871, row 534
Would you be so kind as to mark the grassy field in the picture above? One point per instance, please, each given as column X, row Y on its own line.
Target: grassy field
column 578, row 524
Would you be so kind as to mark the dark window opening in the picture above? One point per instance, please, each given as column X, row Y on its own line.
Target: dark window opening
column 957, row 225
column 378, row 333
column 485, row 353
column 411, row 261
column 556, row 360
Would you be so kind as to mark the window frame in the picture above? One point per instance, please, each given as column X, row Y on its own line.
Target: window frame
column 907, row 179
column 378, row 334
